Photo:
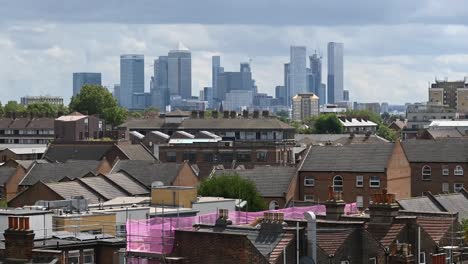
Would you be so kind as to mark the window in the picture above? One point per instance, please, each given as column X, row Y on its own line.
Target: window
column 422, row 258
column 373, row 261
column 244, row 157
column 273, row 205
column 171, row 156
column 88, row 257
column 374, row 182
column 309, row 181
column 308, row 198
column 190, row 156
column 359, row 181
column 445, row 170
column 262, row 156
column 457, row 187
column 226, row 156
column 445, row 187
column 209, row 157
column 458, row 170
column 73, row 257
column 426, row 172
column 337, row 183
column 360, row 201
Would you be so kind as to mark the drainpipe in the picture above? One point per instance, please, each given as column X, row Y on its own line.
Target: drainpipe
column 311, row 235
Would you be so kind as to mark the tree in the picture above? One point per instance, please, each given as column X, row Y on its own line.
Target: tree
column 14, row 107
column 386, row 132
column 233, row 186
column 44, row 109
column 97, row 100
column 2, row 110
column 328, row 124
column 465, row 228
column 283, row 115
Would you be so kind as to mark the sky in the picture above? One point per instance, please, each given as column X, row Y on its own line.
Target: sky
column 393, row 49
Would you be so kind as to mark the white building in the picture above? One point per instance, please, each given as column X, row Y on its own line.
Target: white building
column 305, row 105
column 358, row 125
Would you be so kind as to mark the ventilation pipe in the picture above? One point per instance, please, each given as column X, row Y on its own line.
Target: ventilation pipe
column 311, row 235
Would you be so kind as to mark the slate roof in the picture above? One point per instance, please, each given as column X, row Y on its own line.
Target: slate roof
column 419, row 204
column 453, row 203
column 147, row 171
column 343, row 139
column 385, row 234
column 27, row 123
column 436, row 150
column 136, row 152
column 128, row 183
column 6, row 173
column 104, row 187
column 270, row 181
column 64, row 152
column 54, row 172
column 330, row 240
column 73, row 188
column 444, row 133
column 354, row 157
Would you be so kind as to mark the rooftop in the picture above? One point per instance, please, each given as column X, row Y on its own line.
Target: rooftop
column 455, row 150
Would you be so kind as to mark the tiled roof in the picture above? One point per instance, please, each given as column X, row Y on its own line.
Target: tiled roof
column 436, row 150
column 270, row 181
column 73, row 188
column 331, row 240
column 104, row 187
column 343, row 139
column 128, row 183
column 419, row 204
column 54, row 172
column 435, row 227
column 147, row 171
column 444, row 133
column 385, row 234
column 64, row 152
column 453, row 203
column 354, row 157
column 136, row 152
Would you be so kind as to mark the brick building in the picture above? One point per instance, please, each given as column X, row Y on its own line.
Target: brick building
column 356, row 170
column 438, row 166
column 26, row 130
column 78, row 127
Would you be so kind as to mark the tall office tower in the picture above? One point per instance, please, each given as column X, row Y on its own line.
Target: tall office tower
column 180, row 72
column 280, row 94
column 297, row 70
column 315, row 73
column 335, row 72
column 216, row 70
column 287, row 97
column 322, row 94
column 132, row 78
column 208, row 96
column 83, row 78
column 228, row 81
column 305, row 105
column 159, row 88
column 346, row 95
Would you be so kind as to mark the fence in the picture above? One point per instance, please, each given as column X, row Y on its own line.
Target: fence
column 156, row 235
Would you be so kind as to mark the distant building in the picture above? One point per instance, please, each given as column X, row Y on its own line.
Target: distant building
column 82, row 78
column 178, row 102
column 346, row 95
column 335, row 72
column 26, row 130
column 332, row 108
column 286, row 84
column 358, row 125
column 132, row 78
column 208, row 96
column 116, row 92
column 384, row 108
column 297, row 71
column 216, row 70
column 280, row 94
column 78, row 127
column 53, row 100
column 229, row 81
column 237, row 100
column 305, row 105
column 179, row 70
column 445, row 92
column 372, row 107
column 315, row 76
column 322, row 94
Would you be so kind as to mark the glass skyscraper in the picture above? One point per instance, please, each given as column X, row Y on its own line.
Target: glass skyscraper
column 297, row 71
column 83, row 78
column 335, row 72
column 180, row 73
column 132, row 78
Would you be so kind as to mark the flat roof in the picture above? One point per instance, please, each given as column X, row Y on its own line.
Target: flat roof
column 23, row 211
column 208, row 199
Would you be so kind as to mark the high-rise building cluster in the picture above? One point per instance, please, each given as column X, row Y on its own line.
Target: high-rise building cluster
column 171, row 83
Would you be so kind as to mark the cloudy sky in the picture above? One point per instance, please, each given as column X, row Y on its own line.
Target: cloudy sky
column 393, row 49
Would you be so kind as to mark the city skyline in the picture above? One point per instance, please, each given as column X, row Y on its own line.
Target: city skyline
column 43, row 51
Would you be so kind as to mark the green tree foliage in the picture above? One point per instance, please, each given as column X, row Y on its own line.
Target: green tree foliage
column 233, row 186
column 95, row 99
column 465, row 228
column 283, row 115
column 328, row 124
column 386, row 132
column 2, row 110
column 14, row 107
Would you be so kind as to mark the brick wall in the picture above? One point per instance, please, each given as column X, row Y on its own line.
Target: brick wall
column 38, row 191
column 186, row 176
column 399, row 173
column 434, row 185
column 11, row 185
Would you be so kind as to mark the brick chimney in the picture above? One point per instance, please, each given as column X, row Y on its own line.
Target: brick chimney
column 256, row 114
column 233, row 114
column 201, row 114
column 19, row 240
column 223, row 219
column 214, row 114
column 245, row 114
column 272, row 223
column 384, row 208
column 226, row 114
column 334, row 205
column 265, row 113
column 194, row 114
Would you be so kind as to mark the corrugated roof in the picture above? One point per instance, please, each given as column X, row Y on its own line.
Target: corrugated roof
column 54, row 172
column 128, row 183
column 270, row 181
column 353, row 157
column 436, row 150
column 104, row 187
column 73, row 188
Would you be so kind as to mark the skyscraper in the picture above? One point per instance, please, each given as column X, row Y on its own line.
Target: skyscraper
column 315, row 73
column 83, row 78
column 160, row 87
column 287, row 97
column 132, row 78
column 335, row 72
column 180, row 72
column 297, row 71
column 216, row 70
column 229, row 81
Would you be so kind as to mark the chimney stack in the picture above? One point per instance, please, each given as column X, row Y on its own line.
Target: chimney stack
column 384, row 208
column 245, row 114
column 223, row 219
column 265, row 113
column 226, row 114
column 201, row 114
column 256, row 114
column 194, row 114
column 19, row 240
column 214, row 114
column 272, row 223
column 233, row 114
column 334, row 205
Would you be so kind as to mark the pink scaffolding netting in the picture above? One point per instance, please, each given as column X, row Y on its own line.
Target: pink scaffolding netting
column 156, row 235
